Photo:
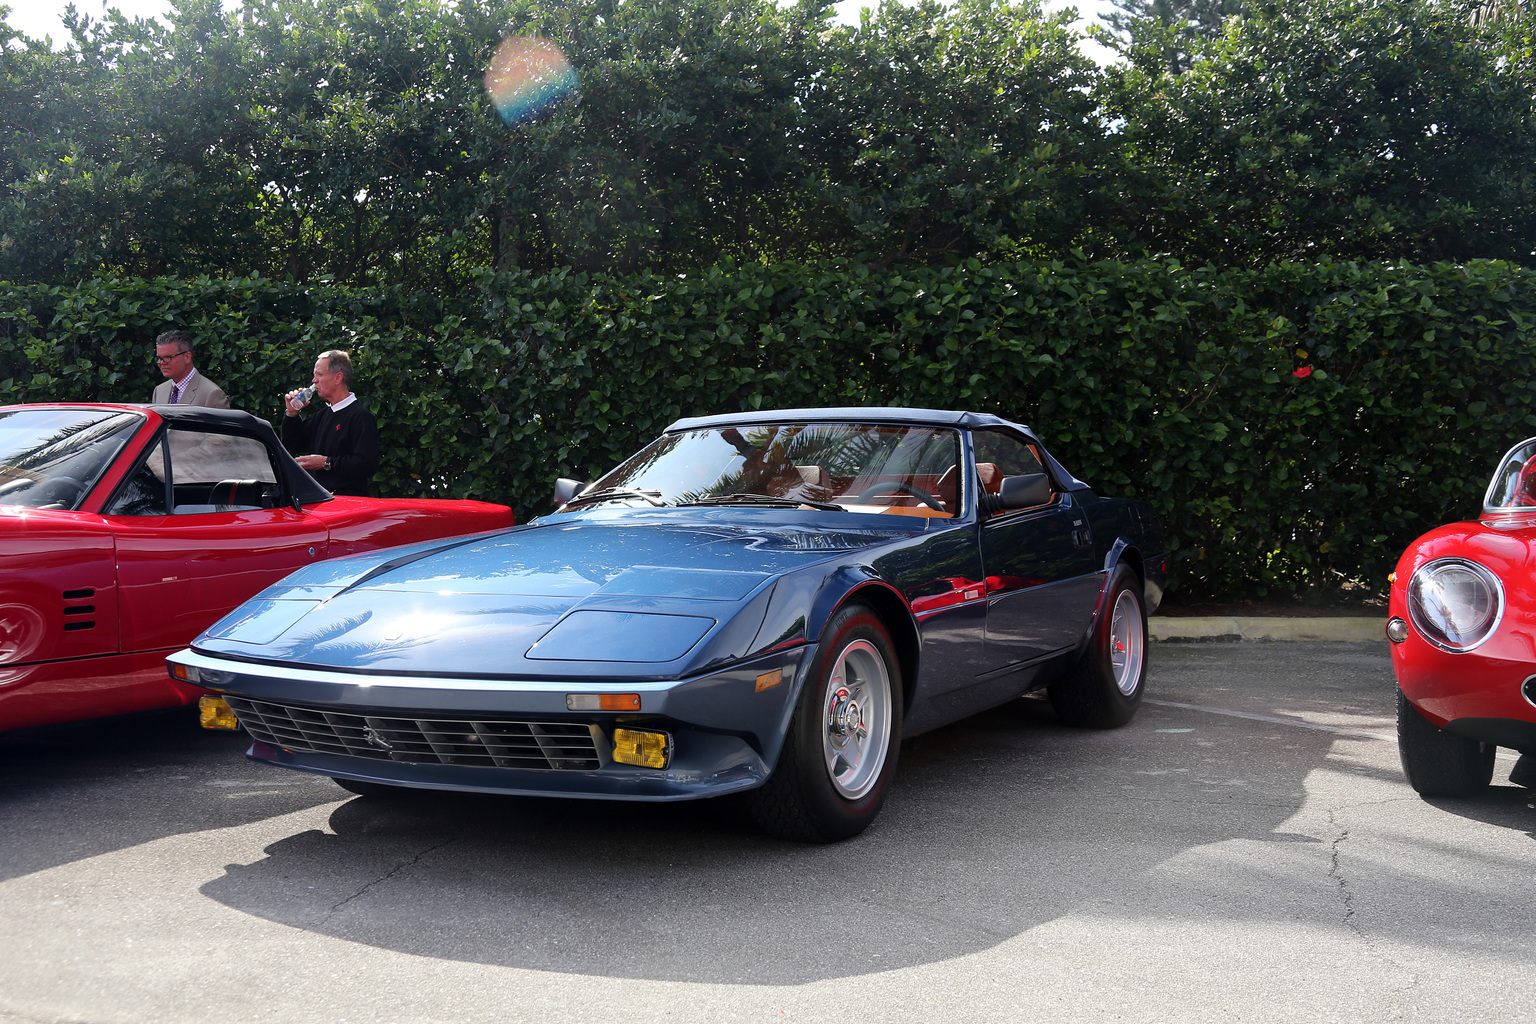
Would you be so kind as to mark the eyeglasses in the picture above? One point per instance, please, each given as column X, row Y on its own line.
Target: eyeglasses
column 173, row 355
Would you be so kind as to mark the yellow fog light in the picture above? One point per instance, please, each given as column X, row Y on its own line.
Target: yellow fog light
column 646, row 749
column 214, row 713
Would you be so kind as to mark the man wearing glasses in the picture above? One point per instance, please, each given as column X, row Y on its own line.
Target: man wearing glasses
column 183, row 385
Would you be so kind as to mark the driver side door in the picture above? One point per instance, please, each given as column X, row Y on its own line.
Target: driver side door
column 202, row 524
column 1042, row 583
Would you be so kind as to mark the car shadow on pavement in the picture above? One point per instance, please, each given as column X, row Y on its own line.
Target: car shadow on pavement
column 995, row 825
column 1503, row 806
column 75, row 791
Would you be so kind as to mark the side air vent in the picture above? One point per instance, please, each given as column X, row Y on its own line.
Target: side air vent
column 71, row 612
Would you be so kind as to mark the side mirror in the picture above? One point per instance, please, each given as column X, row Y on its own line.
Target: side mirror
column 566, row 489
column 1025, row 491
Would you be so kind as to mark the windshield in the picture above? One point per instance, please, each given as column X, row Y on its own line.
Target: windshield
column 1514, row 482
column 49, row 458
column 857, row 467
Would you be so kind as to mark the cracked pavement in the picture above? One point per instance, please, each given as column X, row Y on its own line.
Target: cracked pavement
column 1245, row 850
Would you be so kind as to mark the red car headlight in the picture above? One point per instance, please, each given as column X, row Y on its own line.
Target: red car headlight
column 1454, row 603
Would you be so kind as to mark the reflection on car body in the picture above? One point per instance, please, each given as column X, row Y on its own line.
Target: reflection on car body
column 764, row 602
column 126, row 529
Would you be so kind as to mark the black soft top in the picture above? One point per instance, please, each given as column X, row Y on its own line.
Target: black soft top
column 235, row 421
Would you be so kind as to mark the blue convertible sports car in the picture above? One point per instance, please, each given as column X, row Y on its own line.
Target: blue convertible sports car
column 766, row 602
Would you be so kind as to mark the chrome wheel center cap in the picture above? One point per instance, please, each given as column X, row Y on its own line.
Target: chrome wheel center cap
column 847, row 716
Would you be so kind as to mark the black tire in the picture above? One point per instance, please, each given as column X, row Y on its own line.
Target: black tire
column 1440, row 763
column 853, row 686
column 373, row 790
column 1103, row 689
column 1523, row 774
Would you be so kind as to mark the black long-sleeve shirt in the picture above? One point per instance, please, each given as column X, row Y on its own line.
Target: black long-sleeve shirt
column 349, row 438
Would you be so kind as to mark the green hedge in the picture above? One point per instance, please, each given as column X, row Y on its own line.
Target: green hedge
column 1295, row 426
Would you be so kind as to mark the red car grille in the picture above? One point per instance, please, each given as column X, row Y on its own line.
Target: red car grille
column 546, row 745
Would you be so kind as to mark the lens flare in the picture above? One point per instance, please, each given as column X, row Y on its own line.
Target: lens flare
column 528, row 75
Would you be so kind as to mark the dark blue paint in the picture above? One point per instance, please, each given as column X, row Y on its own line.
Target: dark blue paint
column 694, row 609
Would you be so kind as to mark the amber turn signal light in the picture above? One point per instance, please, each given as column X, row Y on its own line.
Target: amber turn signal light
column 602, row 702
column 214, row 713
column 645, row 749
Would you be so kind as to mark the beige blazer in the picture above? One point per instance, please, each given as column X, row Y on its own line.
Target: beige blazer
column 199, row 391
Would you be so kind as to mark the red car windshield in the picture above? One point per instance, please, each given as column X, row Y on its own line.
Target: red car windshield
column 50, row 457
column 857, row 467
column 1514, row 482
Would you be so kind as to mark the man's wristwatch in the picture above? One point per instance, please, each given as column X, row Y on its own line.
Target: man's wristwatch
column 327, row 463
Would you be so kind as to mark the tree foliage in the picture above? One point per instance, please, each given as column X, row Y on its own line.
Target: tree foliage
column 1360, row 129
column 1173, row 27
column 352, row 139
column 1294, row 425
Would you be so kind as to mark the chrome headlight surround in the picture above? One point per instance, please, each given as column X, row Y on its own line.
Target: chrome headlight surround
column 1455, row 603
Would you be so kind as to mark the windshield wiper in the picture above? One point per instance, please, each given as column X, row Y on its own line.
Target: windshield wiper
column 609, row 493
column 763, row 499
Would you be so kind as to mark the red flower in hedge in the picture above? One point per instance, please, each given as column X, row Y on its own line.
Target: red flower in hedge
column 1305, row 371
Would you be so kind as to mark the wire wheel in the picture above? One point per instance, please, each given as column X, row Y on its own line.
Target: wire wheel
column 856, row 719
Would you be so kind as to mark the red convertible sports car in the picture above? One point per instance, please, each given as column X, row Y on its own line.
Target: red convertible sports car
column 1463, row 632
column 124, row 530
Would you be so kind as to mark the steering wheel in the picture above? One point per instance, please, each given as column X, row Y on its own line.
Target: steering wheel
column 57, row 492
column 898, row 487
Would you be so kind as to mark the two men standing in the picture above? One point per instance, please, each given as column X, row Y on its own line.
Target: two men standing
column 339, row 446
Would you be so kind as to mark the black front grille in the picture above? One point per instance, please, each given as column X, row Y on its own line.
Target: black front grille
column 495, row 744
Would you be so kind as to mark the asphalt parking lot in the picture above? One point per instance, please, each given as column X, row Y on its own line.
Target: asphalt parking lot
column 1245, row 850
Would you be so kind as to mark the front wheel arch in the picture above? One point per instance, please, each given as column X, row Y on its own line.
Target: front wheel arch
column 887, row 603
column 840, row 748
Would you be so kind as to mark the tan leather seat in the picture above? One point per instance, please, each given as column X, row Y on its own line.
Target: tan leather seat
column 991, row 476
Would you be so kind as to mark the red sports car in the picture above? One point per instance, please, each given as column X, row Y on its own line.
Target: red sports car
column 125, row 530
column 1463, row 632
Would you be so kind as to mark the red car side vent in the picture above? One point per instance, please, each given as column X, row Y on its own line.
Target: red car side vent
column 79, row 609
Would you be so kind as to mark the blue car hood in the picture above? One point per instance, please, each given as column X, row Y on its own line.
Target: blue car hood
column 596, row 596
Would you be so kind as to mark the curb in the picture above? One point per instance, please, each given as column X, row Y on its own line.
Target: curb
column 1212, row 628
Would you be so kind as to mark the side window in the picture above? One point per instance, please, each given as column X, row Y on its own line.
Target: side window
column 999, row 455
column 143, row 493
column 210, row 472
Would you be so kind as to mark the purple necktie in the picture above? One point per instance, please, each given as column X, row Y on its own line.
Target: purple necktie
column 175, row 393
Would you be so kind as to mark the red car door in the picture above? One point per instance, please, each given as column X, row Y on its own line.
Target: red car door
column 201, row 525
column 178, row 574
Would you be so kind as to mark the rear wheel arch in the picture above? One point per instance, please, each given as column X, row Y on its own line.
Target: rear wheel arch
column 1130, row 557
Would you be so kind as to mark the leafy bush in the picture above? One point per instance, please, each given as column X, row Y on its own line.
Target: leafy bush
column 1295, row 425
